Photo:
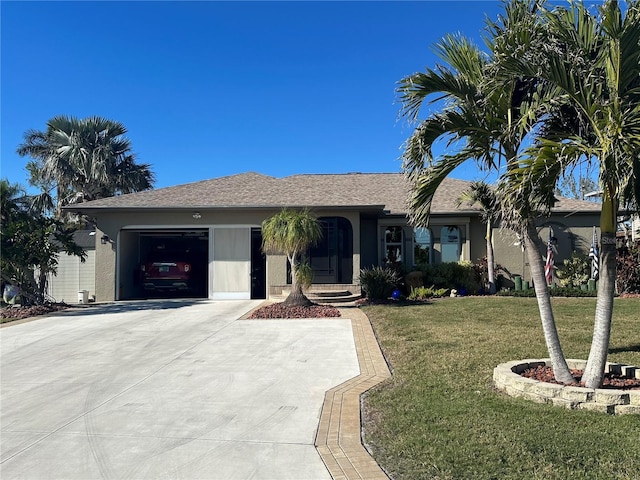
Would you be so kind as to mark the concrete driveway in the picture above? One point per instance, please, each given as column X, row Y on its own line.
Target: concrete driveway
column 167, row 389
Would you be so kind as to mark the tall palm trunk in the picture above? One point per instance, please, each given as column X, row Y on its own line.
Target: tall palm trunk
column 490, row 261
column 594, row 371
column 533, row 246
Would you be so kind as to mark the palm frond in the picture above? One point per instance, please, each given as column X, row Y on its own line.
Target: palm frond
column 86, row 158
column 290, row 232
column 484, row 196
column 424, row 186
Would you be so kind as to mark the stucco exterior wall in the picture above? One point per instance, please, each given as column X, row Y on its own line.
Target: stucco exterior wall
column 115, row 225
column 105, row 268
column 573, row 233
column 478, row 243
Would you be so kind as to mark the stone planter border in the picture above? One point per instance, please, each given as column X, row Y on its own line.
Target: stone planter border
column 507, row 378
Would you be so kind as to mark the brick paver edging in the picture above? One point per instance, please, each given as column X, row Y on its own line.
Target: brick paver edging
column 507, row 378
column 338, row 439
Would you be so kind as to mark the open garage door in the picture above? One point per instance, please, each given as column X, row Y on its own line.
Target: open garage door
column 168, row 263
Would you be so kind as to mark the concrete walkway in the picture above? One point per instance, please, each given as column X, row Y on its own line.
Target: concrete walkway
column 174, row 389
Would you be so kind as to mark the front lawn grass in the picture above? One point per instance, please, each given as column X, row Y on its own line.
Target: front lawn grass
column 439, row 418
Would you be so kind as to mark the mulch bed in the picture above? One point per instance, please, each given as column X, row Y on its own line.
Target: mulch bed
column 545, row 374
column 31, row 311
column 279, row 310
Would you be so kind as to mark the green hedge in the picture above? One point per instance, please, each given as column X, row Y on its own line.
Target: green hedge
column 555, row 292
column 459, row 275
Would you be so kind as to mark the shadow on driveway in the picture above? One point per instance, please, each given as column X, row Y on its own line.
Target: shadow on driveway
column 127, row 306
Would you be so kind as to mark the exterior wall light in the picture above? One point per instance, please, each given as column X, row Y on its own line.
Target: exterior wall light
column 104, row 239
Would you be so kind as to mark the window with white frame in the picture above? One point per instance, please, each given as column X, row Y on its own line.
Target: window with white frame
column 392, row 245
column 450, row 244
column 421, row 246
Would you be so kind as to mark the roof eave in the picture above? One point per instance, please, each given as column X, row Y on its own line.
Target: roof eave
column 132, row 208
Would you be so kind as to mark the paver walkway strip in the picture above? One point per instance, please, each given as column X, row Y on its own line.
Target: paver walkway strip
column 338, row 439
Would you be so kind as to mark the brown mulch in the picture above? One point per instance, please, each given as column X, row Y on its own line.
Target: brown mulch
column 545, row 374
column 31, row 311
column 279, row 310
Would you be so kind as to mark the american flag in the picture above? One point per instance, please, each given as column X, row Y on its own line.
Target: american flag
column 595, row 256
column 548, row 266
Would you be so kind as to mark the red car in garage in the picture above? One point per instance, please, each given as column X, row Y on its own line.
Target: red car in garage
column 166, row 274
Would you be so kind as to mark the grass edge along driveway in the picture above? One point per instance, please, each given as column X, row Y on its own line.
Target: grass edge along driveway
column 439, row 418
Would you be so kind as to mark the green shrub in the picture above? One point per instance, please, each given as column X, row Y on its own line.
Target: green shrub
column 459, row 275
column 575, row 270
column 423, row 293
column 554, row 292
column 441, row 292
column 378, row 282
column 481, row 269
column 413, row 280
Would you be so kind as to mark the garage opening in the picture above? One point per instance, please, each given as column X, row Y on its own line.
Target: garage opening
column 164, row 264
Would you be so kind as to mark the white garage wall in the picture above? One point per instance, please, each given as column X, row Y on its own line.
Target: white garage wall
column 73, row 276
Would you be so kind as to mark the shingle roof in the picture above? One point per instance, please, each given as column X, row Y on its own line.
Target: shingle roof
column 386, row 191
column 83, row 238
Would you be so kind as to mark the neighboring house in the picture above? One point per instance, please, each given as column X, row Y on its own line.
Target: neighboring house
column 214, row 227
column 73, row 275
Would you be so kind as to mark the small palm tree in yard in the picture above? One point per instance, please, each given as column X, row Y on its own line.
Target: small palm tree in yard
column 482, row 194
column 291, row 233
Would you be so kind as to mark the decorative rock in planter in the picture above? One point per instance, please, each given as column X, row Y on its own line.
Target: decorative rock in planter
column 507, row 378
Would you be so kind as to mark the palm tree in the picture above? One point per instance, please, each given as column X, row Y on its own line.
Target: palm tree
column 291, row 233
column 591, row 67
column 523, row 202
column 482, row 194
column 13, row 200
column 487, row 118
column 82, row 160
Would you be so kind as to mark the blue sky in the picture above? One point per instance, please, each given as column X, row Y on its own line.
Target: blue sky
column 208, row 89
